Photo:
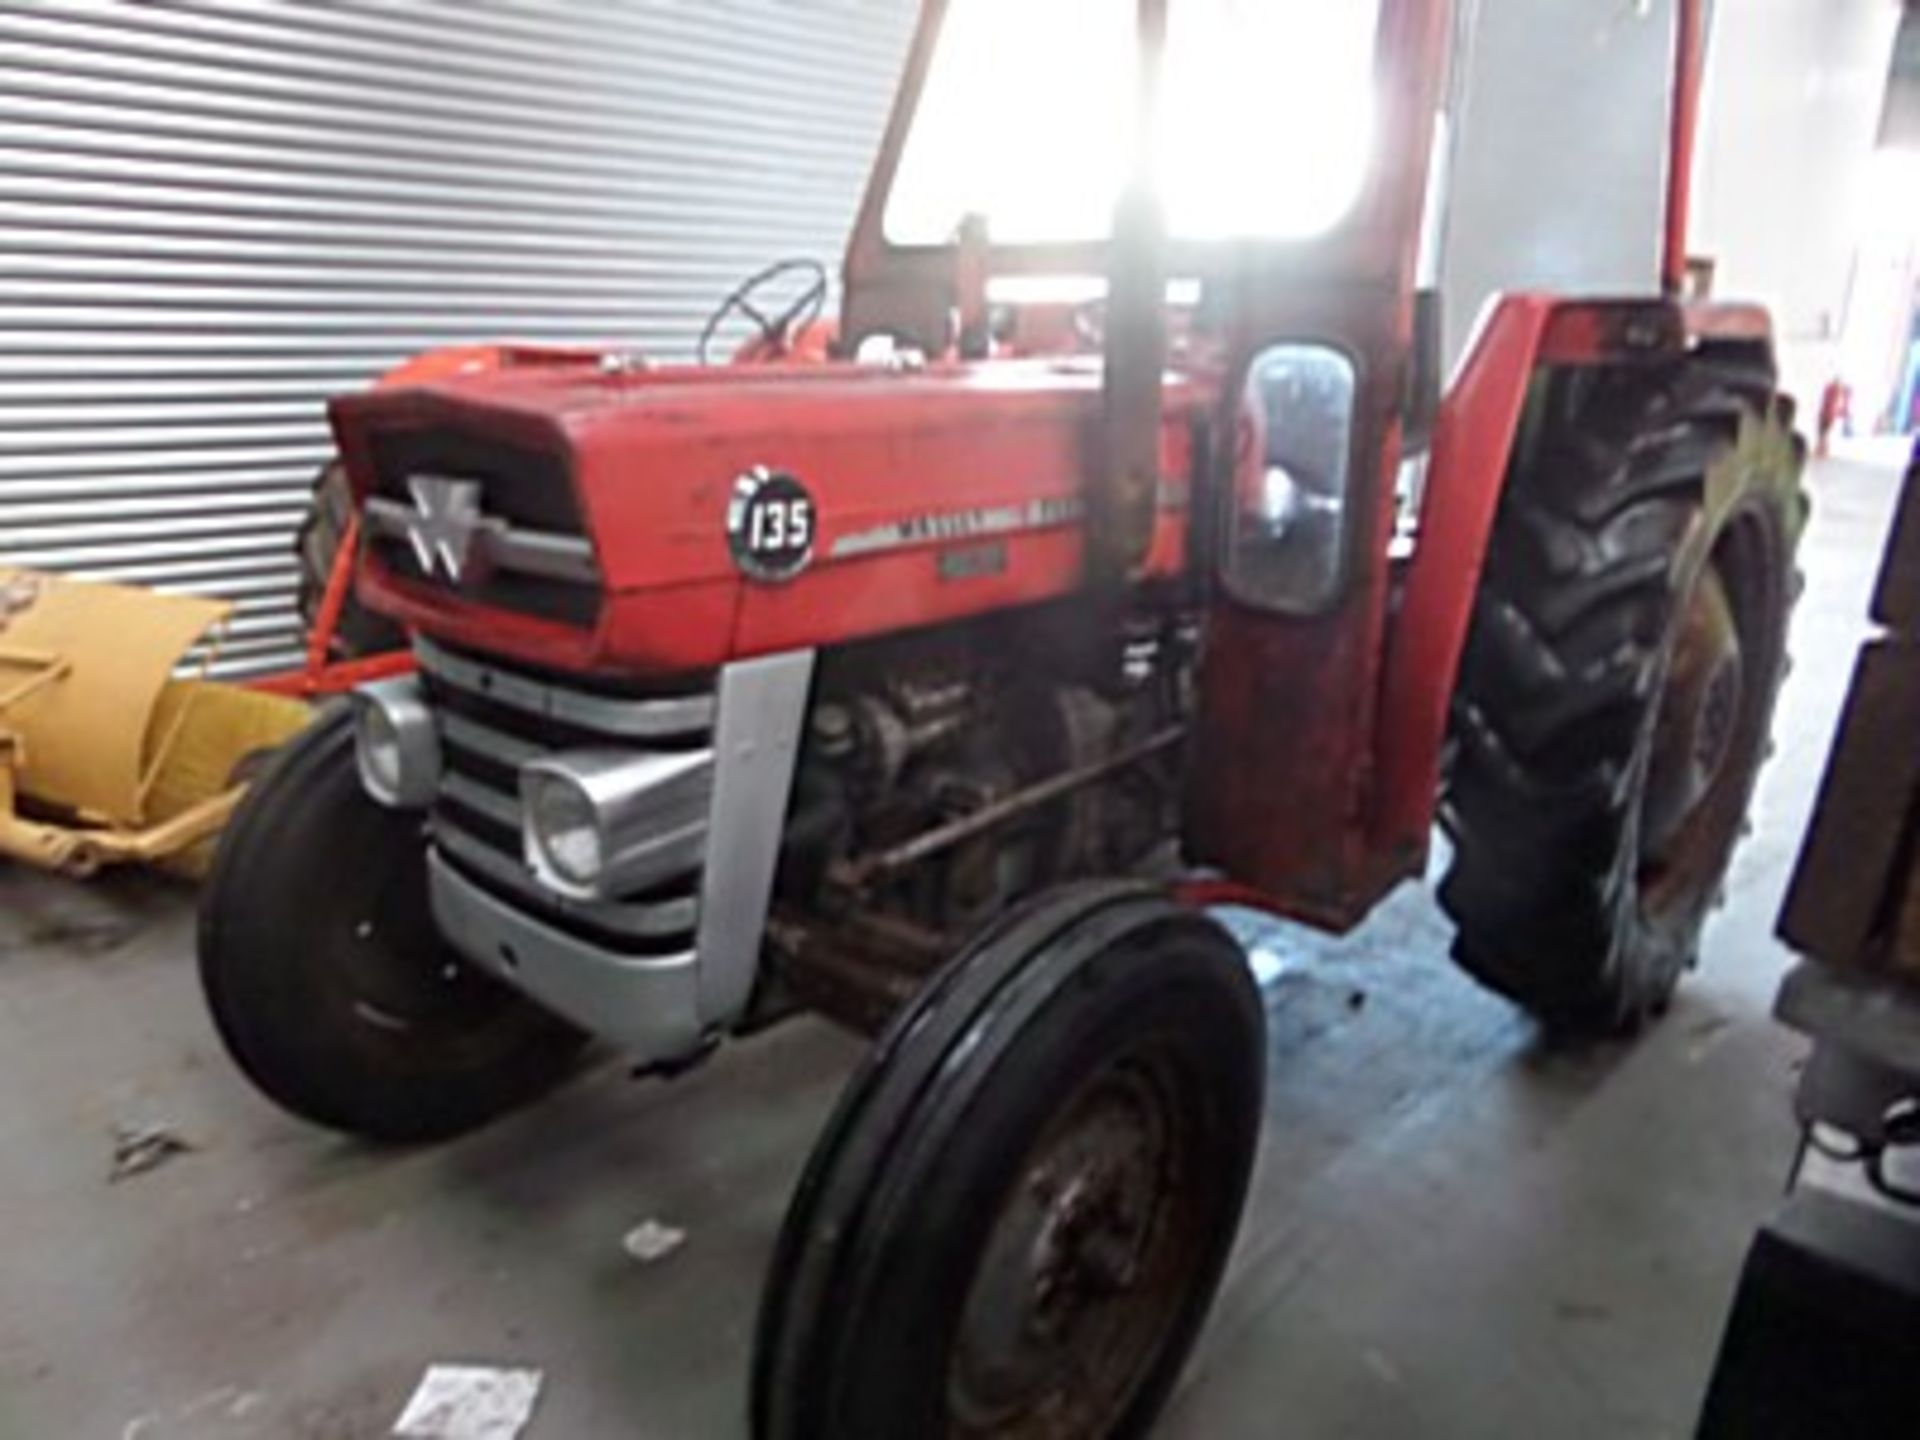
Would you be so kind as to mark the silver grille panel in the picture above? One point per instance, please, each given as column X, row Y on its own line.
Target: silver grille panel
column 634, row 719
column 640, row 922
column 478, row 708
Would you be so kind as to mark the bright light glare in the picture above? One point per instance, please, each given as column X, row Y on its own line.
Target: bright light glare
column 1892, row 193
column 1265, row 129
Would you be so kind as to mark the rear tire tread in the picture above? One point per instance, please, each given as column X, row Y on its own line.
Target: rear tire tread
column 1556, row 687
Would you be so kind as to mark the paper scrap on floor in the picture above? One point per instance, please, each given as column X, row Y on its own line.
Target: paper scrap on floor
column 650, row 1241
column 470, row 1402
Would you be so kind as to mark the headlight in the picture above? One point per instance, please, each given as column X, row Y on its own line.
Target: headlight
column 564, row 829
column 602, row 823
column 395, row 744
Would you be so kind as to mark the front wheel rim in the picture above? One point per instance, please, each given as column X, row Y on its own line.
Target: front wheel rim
column 1085, row 1263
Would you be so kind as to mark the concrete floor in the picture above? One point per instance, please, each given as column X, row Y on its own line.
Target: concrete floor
column 1455, row 1233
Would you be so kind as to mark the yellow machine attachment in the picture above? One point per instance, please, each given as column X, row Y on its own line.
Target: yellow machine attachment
column 105, row 758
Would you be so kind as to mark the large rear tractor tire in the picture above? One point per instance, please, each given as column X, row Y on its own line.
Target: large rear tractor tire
column 1016, row 1221
column 326, row 977
column 358, row 632
column 1619, row 681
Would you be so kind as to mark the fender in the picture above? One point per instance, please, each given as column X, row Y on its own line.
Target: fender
column 1474, row 437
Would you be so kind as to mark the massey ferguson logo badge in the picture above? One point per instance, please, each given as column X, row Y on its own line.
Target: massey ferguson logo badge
column 770, row 525
column 445, row 525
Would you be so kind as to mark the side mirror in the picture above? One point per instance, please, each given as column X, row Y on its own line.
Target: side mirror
column 1424, row 379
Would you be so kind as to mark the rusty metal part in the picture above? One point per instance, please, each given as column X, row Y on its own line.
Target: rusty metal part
column 1699, row 715
column 857, row 873
column 1087, row 1256
column 1710, row 728
column 1087, row 725
column 857, row 971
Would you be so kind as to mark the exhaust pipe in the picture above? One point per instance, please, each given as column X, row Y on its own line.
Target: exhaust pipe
column 1125, row 480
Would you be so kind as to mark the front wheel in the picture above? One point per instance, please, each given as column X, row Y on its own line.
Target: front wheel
column 1618, row 686
column 1017, row 1219
column 327, row 979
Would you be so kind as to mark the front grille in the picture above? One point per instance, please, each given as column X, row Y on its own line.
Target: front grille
column 492, row 720
column 527, row 488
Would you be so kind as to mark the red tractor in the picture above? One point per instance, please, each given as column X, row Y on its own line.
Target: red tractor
column 937, row 672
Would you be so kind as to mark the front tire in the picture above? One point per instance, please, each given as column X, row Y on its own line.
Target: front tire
column 1618, row 685
column 327, row 980
column 1016, row 1220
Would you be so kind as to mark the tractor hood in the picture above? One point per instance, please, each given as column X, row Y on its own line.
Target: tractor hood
column 589, row 516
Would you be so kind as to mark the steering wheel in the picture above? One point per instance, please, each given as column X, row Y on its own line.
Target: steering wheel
column 775, row 329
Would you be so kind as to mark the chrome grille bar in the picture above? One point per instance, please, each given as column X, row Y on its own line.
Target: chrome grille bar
column 503, row 547
column 481, row 739
column 663, row 718
column 501, row 808
column 674, row 916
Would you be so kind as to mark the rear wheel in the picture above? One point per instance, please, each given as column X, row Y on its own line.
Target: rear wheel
column 1618, row 686
column 327, row 979
column 1017, row 1219
column 358, row 631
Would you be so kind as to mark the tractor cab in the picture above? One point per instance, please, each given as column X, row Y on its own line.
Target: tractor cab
column 1242, row 192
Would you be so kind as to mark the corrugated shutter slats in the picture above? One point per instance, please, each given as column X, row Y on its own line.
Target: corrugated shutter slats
column 215, row 215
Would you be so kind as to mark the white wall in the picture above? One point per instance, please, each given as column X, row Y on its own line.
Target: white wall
column 1559, row 172
column 1782, row 191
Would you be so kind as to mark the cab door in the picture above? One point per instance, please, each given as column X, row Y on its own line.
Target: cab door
column 1321, row 350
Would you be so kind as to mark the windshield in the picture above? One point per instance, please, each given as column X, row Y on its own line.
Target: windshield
column 1265, row 128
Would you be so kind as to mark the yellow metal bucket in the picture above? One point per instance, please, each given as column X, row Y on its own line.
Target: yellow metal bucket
column 105, row 757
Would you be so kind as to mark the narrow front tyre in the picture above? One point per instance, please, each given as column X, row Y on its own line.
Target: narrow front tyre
column 327, row 979
column 1017, row 1220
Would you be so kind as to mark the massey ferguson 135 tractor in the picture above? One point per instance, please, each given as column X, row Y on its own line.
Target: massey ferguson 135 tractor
column 937, row 672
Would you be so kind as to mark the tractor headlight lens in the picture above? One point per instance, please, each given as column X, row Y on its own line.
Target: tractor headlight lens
column 605, row 823
column 395, row 745
column 1287, row 526
column 564, row 831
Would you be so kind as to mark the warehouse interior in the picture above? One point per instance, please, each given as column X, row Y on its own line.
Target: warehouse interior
column 868, row 558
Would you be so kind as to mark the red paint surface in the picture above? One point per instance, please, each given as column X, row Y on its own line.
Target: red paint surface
column 655, row 454
column 1689, row 57
column 1471, row 445
column 314, row 682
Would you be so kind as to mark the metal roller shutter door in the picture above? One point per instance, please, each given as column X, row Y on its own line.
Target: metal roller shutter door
column 213, row 216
